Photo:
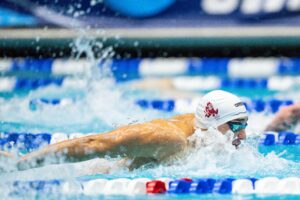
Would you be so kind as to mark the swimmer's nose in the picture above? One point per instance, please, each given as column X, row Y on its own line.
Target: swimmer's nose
column 241, row 134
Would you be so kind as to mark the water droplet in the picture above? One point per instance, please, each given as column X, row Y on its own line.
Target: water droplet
column 136, row 43
column 95, row 2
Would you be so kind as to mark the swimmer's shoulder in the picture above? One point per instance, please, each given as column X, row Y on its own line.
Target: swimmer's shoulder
column 180, row 123
column 190, row 117
column 184, row 117
column 184, row 123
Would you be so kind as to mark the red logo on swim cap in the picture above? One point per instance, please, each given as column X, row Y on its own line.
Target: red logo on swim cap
column 210, row 111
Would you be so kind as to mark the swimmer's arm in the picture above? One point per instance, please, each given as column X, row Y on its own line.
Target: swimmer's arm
column 285, row 119
column 149, row 140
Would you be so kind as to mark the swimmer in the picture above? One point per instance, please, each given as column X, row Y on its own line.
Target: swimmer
column 153, row 141
column 286, row 119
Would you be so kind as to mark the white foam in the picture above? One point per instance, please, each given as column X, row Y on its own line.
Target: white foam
column 7, row 84
column 76, row 135
column 58, row 137
column 183, row 106
column 75, row 83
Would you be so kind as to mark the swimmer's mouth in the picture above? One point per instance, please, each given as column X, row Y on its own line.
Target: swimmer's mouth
column 236, row 142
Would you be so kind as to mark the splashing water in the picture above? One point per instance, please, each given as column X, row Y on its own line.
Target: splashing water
column 99, row 106
column 103, row 101
column 216, row 157
column 99, row 103
column 102, row 106
column 212, row 156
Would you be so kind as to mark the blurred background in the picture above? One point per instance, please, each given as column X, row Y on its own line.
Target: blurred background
column 164, row 54
column 181, row 48
column 70, row 68
column 160, row 52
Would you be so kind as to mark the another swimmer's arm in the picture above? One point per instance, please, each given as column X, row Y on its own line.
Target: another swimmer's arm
column 285, row 119
column 149, row 140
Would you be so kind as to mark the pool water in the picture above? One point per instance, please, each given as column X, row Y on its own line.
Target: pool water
column 103, row 106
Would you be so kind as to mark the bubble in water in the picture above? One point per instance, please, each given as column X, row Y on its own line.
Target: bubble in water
column 95, row 2
column 136, row 43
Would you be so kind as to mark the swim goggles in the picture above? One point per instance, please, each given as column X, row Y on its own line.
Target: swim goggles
column 236, row 126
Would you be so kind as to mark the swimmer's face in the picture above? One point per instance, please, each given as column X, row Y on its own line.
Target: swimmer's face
column 237, row 126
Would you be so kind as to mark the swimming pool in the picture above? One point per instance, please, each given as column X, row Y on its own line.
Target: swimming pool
column 72, row 106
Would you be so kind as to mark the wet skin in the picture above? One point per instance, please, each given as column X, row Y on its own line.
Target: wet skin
column 151, row 141
column 286, row 118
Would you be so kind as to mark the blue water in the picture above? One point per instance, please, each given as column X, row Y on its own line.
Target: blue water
column 105, row 106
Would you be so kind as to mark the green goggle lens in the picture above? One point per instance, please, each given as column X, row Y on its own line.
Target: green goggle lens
column 237, row 126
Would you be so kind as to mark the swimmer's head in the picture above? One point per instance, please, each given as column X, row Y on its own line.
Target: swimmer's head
column 223, row 111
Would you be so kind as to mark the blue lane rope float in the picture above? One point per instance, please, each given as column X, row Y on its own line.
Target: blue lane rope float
column 15, row 84
column 244, row 83
column 170, row 105
column 26, row 142
column 30, row 84
column 122, row 186
column 281, row 138
column 130, row 69
column 188, row 66
column 254, row 105
column 10, row 84
column 189, row 83
column 179, row 186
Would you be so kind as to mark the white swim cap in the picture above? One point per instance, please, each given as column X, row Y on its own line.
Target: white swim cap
column 218, row 107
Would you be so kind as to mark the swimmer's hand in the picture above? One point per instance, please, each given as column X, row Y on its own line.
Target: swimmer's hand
column 285, row 119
